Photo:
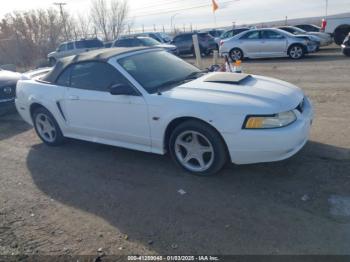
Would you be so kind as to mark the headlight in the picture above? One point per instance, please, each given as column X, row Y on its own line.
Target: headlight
column 272, row 121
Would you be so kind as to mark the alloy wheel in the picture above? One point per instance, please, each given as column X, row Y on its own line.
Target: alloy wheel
column 45, row 127
column 194, row 151
column 296, row 52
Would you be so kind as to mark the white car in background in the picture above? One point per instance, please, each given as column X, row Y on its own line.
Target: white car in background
column 202, row 119
column 266, row 43
column 74, row 48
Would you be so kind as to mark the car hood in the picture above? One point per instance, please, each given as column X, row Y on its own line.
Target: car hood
column 320, row 34
column 308, row 36
column 8, row 77
column 255, row 94
column 166, row 46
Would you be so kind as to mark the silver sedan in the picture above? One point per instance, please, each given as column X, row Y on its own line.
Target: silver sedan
column 269, row 42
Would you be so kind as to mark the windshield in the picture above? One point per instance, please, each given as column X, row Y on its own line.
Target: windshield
column 296, row 30
column 147, row 41
column 157, row 70
column 165, row 36
column 88, row 44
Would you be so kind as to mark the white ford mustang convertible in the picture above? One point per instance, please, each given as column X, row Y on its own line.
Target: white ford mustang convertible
column 149, row 100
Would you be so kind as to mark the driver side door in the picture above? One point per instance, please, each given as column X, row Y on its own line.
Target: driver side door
column 94, row 114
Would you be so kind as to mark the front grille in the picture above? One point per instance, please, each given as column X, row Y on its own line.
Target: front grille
column 300, row 107
column 8, row 92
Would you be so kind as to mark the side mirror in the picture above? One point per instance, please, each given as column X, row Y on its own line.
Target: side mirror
column 122, row 89
column 172, row 42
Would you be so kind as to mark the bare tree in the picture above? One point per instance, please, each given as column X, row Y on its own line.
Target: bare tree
column 118, row 14
column 83, row 25
column 110, row 20
column 99, row 14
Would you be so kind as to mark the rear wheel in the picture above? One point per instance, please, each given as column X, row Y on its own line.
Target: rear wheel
column 236, row 54
column 47, row 128
column 197, row 148
column 296, row 51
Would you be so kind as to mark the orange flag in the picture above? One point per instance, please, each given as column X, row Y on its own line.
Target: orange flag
column 215, row 5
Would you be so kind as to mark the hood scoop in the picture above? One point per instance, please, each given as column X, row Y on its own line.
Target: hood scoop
column 228, row 78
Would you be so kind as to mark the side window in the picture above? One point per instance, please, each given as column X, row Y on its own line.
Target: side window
column 253, row 35
column 98, row 76
column 188, row 37
column 178, row 39
column 62, row 47
column 268, row 34
column 70, row 46
column 64, row 78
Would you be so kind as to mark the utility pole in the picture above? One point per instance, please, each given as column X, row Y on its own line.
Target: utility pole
column 60, row 5
column 326, row 8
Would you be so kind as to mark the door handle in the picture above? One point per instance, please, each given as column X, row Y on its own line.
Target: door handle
column 73, row 97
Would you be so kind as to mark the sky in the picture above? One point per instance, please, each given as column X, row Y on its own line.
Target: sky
column 159, row 13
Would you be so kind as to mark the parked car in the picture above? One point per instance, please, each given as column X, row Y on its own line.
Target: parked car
column 309, row 27
column 270, row 42
column 159, row 36
column 8, row 81
column 346, row 46
column 323, row 38
column 149, row 100
column 230, row 33
column 74, row 48
column 214, row 32
column 338, row 27
column 184, row 43
column 144, row 41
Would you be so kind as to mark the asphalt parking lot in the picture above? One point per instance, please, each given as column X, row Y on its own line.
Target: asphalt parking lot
column 82, row 196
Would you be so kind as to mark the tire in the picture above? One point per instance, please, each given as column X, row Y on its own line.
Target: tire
column 236, row 54
column 198, row 148
column 340, row 34
column 296, row 52
column 52, row 61
column 46, row 127
column 346, row 52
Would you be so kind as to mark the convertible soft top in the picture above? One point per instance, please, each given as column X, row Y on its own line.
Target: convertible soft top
column 95, row 55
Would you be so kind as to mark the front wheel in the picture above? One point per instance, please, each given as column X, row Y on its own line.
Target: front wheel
column 296, row 52
column 236, row 54
column 47, row 128
column 198, row 148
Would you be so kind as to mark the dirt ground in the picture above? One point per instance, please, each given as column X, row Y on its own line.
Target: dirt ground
column 82, row 196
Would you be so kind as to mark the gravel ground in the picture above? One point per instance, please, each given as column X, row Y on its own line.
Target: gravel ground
column 82, row 196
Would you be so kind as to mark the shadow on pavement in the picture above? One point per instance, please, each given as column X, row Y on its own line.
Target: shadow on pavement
column 254, row 209
column 11, row 124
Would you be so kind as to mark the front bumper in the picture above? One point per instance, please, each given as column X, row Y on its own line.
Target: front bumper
column 313, row 47
column 268, row 145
